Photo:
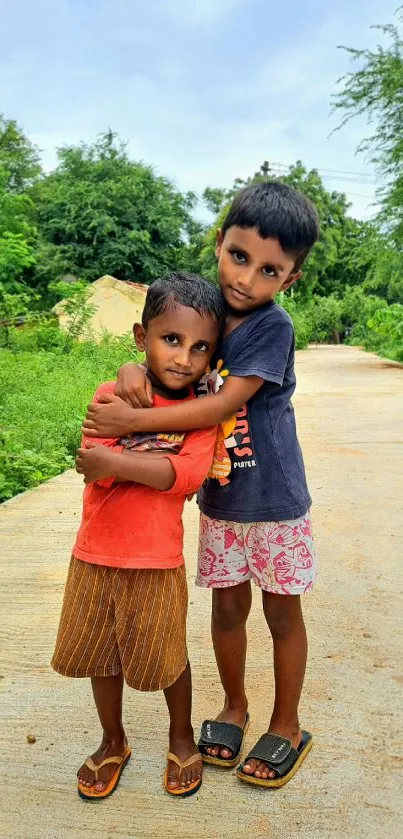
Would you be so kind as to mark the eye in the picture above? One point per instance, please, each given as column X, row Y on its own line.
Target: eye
column 201, row 347
column 269, row 271
column 238, row 257
column 172, row 340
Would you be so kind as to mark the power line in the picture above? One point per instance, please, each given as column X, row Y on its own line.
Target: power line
column 277, row 164
column 340, row 178
column 339, row 175
column 343, row 181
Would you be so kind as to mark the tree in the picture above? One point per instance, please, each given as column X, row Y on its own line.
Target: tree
column 385, row 273
column 18, row 157
column 15, row 257
column 19, row 171
column 16, row 210
column 17, row 236
column 375, row 90
column 101, row 213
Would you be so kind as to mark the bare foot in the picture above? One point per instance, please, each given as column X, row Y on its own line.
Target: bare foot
column 261, row 769
column 236, row 716
column 108, row 748
column 183, row 749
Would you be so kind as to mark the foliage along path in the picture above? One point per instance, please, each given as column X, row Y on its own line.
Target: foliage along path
column 349, row 409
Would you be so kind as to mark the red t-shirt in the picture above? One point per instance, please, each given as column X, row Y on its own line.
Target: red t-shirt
column 129, row 525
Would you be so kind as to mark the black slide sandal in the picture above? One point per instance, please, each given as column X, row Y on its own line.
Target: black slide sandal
column 280, row 755
column 225, row 735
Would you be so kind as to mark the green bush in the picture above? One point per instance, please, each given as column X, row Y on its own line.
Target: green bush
column 301, row 319
column 43, row 397
column 385, row 329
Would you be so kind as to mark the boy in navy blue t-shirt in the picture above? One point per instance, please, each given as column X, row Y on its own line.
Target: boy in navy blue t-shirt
column 255, row 521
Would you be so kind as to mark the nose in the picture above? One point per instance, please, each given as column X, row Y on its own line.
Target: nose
column 182, row 357
column 245, row 278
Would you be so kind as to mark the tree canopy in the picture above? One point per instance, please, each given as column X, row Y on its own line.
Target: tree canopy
column 375, row 90
column 19, row 158
column 99, row 212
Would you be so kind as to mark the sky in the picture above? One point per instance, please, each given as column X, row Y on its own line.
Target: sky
column 204, row 90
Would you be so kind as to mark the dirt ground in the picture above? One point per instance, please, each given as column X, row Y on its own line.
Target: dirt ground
column 349, row 410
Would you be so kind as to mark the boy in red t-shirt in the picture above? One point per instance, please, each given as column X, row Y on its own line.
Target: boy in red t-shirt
column 125, row 603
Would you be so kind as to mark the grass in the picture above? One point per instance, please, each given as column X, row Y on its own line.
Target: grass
column 43, row 398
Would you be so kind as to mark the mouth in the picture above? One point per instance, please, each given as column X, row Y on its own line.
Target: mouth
column 239, row 295
column 179, row 374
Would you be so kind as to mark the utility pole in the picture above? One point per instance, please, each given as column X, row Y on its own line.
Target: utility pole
column 265, row 169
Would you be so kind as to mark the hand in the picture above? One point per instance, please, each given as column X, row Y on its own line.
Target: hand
column 133, row 386
column 95, row 462
column 109, row 417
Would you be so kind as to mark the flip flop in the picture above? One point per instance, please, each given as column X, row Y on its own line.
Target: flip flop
column 182, row 792
column 227, row 736
column 88, row 793
column 280, row 755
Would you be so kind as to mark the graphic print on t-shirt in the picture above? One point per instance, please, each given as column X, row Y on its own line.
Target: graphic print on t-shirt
column 233, row 449
column 166, row 441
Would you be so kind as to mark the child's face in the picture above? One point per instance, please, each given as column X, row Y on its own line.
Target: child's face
column 178, row 345
column 252, row 270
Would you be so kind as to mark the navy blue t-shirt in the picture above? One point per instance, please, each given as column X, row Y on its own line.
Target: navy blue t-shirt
column 265, row 478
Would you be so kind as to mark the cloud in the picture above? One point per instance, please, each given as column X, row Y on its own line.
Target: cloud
column 205, row 90
column 198, row 12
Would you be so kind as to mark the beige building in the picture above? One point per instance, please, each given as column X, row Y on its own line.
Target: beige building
column 117, row 306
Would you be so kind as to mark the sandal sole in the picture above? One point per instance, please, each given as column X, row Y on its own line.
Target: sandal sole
column 110, row 789
column 181, row 792
column 275, row 783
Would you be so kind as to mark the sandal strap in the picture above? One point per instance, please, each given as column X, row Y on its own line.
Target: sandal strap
column 185, row 763
column 222, row 734
column 276, row 751
column 95, row 767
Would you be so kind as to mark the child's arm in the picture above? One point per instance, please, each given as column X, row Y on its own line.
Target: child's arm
column 134, row 386
column 180, row 474
column 105, row 466
column 117, row 417
column 109, row 442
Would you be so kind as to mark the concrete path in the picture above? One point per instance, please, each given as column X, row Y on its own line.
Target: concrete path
column 350, row 411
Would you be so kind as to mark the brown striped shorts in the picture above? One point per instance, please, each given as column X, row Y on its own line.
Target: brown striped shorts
column 123, row 619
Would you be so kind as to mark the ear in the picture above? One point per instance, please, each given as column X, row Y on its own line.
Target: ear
column 291, row 279
column 139, row 336
column 218, row 242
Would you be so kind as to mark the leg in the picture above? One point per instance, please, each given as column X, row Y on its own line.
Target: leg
column 230, row 610
column 108, row 692
column 283, row 614
column 181, row 740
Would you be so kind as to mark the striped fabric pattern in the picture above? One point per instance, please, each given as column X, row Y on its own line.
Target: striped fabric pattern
column 123, row 619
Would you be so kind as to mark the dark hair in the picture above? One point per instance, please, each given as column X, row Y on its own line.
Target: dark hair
column 277, row 211
column 183, row 289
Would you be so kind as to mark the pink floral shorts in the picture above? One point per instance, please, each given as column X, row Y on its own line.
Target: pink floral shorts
column 279, row 556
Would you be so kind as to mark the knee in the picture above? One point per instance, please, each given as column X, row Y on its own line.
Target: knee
column 229, row 610
column 283, row 617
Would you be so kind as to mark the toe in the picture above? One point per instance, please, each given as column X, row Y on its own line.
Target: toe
column 173, row 781
column 85, row 778
column 100, row 786
column 196, row 772
column 261, row 770
column 250, row 766
column 226, row 754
